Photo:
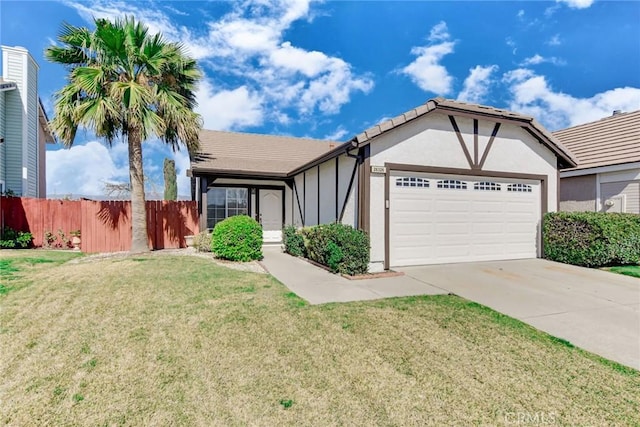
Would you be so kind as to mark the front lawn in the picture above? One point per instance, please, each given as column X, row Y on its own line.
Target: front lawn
column 178, row 340
column 629, row 270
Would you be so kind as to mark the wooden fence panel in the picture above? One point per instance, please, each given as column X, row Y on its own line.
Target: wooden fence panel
column 105, row 225
column 39, row 216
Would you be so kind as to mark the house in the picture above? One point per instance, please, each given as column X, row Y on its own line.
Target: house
column 607, row 177
column 24, row 129
column 444, row 182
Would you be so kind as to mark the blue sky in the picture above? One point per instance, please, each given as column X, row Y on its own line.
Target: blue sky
column 331, row 69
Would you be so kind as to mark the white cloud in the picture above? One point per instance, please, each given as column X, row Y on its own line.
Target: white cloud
column 229, row 109
column 476, row 86
column 554, row 40
column 248, row 43
column 83, row 169
column 531, row 94
column 520, row 14
column 337, row 135
column 577, row 4
column 512, row 44
column 539, row 59
column 426, row 70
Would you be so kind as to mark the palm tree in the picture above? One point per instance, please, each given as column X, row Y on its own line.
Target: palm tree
column 126, row 84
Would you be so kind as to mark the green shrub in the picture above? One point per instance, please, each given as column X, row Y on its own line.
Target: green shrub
column 293, row 241
column 592, row 239
column 340, row 247
column 202, row 241
column 11, row 239
column 237, row 238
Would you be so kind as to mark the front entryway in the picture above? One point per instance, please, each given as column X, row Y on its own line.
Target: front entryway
column 270, row 214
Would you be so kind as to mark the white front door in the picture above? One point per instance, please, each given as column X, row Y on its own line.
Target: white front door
column 442, row 219
column 270, row 215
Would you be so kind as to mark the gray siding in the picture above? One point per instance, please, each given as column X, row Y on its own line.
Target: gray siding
column 32, row 131
column 13, row 141
column 14, row 115
column 20, row 125
column 2, row 134
column 578, row 193
column 630, row 189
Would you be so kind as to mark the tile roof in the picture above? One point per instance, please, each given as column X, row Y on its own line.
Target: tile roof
column 609, row 141
column 244, row 153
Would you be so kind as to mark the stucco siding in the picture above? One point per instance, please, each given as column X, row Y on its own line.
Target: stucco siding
column 346, row 166
column 431, row 141
column 351, row 207
column 578, row 193
column 311, row 197
column 298, row 201
column 376, row 229
column 328, row 192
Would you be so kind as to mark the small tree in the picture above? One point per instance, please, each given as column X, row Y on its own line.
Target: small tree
column 126, row 84
column 170, row 180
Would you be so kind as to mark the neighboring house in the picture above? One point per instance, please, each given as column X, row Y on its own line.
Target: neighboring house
column 24, row 128
column 607, row 178
column 444, row 182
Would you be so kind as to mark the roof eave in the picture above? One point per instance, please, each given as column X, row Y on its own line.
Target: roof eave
column 335, row 152
column 230, row 173
column 44, row 123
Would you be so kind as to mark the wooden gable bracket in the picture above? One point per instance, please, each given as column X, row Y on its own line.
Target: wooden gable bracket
column 473, row 162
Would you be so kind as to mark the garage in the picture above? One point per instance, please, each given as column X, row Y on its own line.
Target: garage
column 437, row 219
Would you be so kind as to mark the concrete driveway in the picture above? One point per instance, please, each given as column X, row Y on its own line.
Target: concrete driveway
column 595, row 310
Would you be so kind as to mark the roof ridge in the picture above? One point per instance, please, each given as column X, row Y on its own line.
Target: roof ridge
column 261, row 135
column 599, row 121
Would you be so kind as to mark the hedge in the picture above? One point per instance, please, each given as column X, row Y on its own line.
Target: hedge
column 293, row 241
column 237, row 238
column 340, row 247
column 592, row 239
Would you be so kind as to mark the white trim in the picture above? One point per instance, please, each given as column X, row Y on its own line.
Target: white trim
column 600, row 169
column 598, row 199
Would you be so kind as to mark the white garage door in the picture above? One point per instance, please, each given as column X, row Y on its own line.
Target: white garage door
column 440, row 219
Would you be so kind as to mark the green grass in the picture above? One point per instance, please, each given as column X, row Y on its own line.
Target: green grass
column 628, row 270
column 15, row 262
column 182, row 341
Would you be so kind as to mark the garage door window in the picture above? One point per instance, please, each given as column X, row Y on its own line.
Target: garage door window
column 412, row 181
column 519, row 188
column 486, row 186
column 452, row 184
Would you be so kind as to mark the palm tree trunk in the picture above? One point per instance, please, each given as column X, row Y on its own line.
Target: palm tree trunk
column 139, row 239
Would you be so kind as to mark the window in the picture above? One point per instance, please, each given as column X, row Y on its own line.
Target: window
column 225, row 202
column 519, row 188
column 486, row 186
column 452, row 183
column 412, row 181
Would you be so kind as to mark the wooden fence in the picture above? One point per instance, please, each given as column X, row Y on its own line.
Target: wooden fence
column 105, row 226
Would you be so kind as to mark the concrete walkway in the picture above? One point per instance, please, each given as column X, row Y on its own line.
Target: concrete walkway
column 592, row 309
column 319, row 286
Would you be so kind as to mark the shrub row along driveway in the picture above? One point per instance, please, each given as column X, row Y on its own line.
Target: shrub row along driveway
column 178, row 340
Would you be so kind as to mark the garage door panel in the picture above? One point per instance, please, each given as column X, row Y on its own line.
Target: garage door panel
column 480, row 223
